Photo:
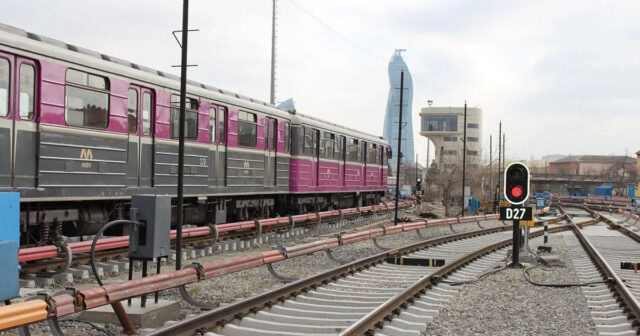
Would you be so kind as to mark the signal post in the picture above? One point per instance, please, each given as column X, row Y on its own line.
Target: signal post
column 516, row 192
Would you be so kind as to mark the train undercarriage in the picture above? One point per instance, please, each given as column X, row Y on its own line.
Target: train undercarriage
column 43, row 223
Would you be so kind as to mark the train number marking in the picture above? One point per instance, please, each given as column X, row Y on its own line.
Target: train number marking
column 513, row 213
column 245, row 164
column 203, row 162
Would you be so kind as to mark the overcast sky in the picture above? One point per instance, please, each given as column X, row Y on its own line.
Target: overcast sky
column 561, row 75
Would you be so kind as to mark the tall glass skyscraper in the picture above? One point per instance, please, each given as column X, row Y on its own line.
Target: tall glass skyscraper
column 390, row 131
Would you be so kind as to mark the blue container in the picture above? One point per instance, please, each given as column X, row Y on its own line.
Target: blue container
column 9, row 244
column 603, row 190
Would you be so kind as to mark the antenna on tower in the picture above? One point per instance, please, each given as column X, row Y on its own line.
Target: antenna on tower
column 273, row 54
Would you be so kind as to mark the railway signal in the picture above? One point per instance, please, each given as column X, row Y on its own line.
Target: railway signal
column 516, row 192
column 516, row 183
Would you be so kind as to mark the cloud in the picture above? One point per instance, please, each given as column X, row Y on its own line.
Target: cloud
column 561, row 75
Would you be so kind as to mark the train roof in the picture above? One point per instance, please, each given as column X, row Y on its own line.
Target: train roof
column 82, row 56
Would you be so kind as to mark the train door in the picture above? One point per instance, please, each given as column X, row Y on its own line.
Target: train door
column 363, row 150
column 382, row 163
column 140, row 105
column 213, row 153
column 270, row 151
column 18, row 121
column 316, row 159
column 221, row 148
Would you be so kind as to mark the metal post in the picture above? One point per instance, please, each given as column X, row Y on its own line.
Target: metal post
column 399, row 155
column 464, row 153
column 130, row 277
column 546, row 232
column 490, row 163
column 504, row 150
column 143, row 298
column 416, row 167
column 273, row 54
column 499, row 159
column 515, row 256
column 183, row 98
column 158, row 269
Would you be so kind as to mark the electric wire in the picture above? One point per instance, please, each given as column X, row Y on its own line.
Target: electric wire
column 93, row 325
column 92, row 252
column 353, row 43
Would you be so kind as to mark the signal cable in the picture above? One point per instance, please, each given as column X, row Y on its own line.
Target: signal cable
column 92, row 253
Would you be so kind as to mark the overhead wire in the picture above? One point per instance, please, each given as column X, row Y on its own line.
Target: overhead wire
column 352, row 42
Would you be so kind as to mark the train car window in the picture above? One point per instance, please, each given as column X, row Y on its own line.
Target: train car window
column 352, row 150
column 287, row 137
column 247, row 129
column 146, row 113
column 86, row 100
column 190, row 118
column 27, row 91
column 329, row 145
column 213, row 114
column 132, row 111
column 316, row 142
column 308, row 140
column 4, row 87
column 339, row 149
column 222, row 126
column 382, row 158
column 372, row 157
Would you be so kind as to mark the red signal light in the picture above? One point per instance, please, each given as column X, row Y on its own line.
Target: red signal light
column 516, row 191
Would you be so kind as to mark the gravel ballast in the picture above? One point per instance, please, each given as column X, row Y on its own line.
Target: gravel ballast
column 506, row 304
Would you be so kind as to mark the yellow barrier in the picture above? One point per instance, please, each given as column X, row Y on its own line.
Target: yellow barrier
column 18, row 314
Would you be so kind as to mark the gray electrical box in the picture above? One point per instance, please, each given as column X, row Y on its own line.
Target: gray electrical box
column 152, row 238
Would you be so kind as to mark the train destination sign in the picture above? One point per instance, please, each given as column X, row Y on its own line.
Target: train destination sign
column 513, row 213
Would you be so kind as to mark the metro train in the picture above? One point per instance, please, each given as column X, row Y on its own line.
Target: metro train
column 80, row 132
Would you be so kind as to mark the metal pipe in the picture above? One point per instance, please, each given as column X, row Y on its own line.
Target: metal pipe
column 399, row 155
column 183, row 97
column 121, row 313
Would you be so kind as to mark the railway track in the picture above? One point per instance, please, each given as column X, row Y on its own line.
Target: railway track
column 359, row 297
column 598, row 252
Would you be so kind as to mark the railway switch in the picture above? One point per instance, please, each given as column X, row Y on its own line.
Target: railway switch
column 151, row 238
column 9, row 244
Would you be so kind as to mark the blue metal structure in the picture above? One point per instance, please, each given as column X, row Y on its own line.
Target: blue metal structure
column 474, row 205
column 9, row 244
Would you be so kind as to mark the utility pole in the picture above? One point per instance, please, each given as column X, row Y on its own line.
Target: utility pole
column 183, row 98
column 395, row 217
column 499, row 158
column 416, row 167
column 504, row 150
column 272, row 100
column 464, row 154
column 490, row 162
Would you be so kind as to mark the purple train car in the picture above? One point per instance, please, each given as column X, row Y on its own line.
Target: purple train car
column 80, row 132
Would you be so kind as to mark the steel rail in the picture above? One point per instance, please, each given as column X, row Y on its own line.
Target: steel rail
column 616, row 284
column 223, row 315
column 610, row 223
column 386, row 311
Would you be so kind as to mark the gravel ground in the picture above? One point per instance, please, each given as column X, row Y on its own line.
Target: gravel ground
column 518, row 308
column 236, row 286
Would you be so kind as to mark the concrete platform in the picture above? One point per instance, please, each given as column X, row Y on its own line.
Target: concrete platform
column 152, row 316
